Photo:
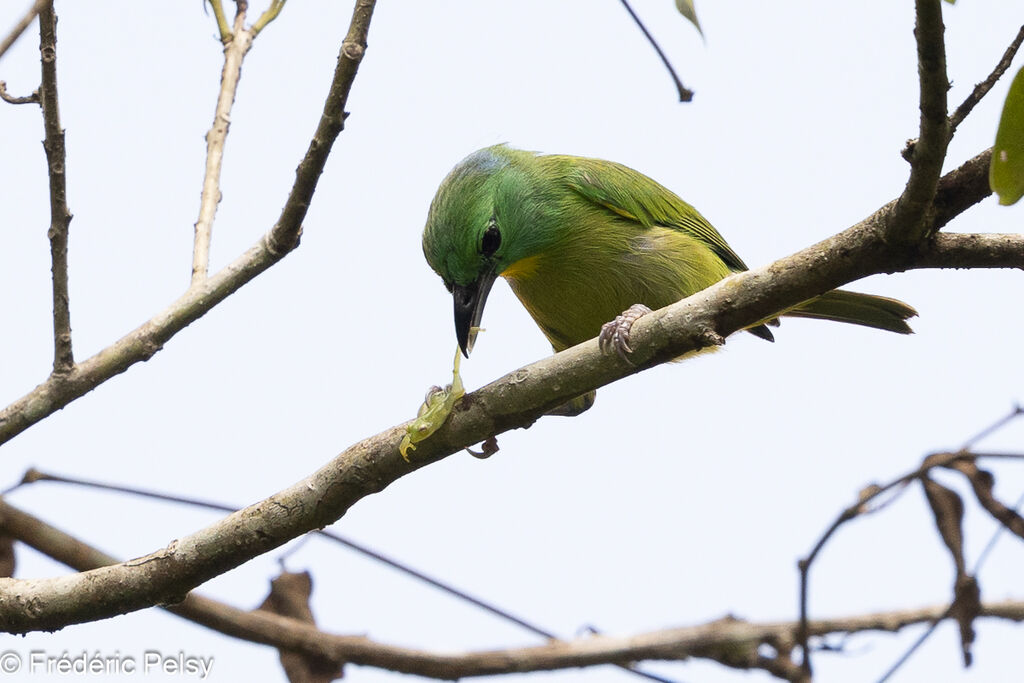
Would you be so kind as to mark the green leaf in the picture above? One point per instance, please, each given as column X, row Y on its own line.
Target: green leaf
column 1006, row 174
column 687, row 9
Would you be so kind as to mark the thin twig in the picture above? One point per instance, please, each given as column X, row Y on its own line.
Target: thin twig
column 144, row 341
column 60, row 217
column 20, row 27
column 268, row 16
column 285, row 234
column 222, row 21
column 981, row 89
column 1016, row 412
column 234, row 52
column 685, row 94
column 11, row 99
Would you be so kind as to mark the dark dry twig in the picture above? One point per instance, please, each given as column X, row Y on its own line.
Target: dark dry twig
column 11, row 99
column 871, row 493
column 685, row 94
column 861, row 507
column 981, row 89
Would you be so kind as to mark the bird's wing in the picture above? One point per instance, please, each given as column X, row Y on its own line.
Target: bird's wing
column 636, row 197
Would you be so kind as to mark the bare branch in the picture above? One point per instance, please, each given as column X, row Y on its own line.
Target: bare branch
column 515, row 400
column 144, row 341
column 978, row 250
column 234, row 52
column 862, row 506
column 20, row 27
column 960, row 189
column 981, row 89
column 909, row 224
column 721, row 641
column 60, row 217
column 285, row 235
column 34, row 475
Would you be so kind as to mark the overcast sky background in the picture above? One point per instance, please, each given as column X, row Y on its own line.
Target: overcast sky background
column 687, row 493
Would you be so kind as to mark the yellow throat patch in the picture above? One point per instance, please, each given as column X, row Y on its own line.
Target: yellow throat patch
column 521, row 269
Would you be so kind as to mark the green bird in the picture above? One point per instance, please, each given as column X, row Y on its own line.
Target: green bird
column 582, row 240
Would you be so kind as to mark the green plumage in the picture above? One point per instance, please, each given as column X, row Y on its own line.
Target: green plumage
column 580, row 240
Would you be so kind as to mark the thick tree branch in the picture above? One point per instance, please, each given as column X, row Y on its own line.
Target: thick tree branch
column 141, row 343
column 19, row 28
column 966, row 250
column 234, row 53
column 515, row 400
column 961, row 188
column 731, row 642
column 909, row 223
column 60, row 217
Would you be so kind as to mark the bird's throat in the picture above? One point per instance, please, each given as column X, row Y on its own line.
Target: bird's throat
column 521, row 269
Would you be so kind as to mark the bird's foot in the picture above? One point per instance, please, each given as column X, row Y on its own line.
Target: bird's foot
column 487, row 448
column 615, row 334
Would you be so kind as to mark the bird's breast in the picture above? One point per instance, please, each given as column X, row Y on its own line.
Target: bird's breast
column 571, row 291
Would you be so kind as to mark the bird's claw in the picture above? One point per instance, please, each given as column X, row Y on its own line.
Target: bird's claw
column 615, row 334
column 487, row 448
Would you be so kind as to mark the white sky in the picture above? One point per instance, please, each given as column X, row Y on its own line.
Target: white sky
column 686, row 493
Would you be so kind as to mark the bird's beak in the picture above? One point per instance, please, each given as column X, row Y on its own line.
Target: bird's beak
column 469, row 307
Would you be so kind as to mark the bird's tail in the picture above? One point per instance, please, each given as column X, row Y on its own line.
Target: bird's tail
column 869, row 310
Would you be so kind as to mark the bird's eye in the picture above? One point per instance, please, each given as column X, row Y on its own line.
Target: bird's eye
column 491, row 240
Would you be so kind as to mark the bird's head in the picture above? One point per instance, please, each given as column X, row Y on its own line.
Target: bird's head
column 472, row 231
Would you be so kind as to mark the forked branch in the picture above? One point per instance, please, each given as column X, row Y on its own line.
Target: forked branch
column 141, row 343
column 235, row 50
